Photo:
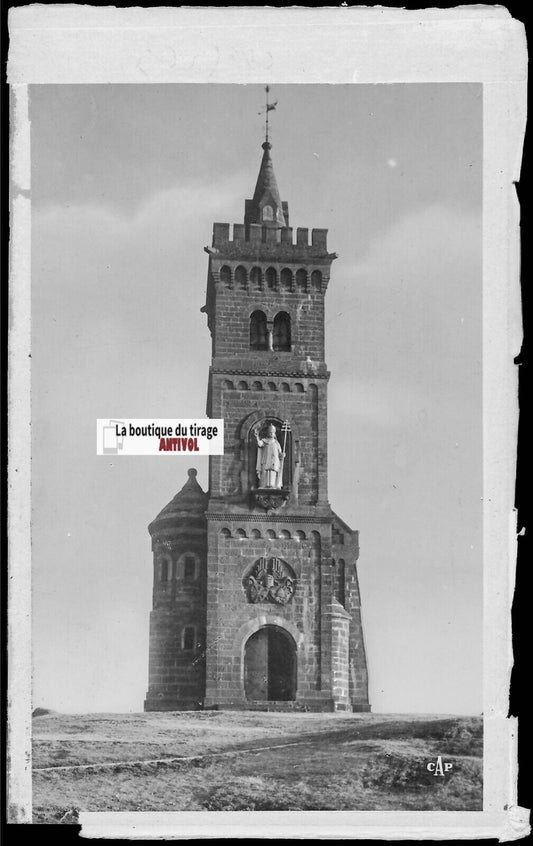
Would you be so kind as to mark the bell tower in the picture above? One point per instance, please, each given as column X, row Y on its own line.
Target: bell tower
column 256, row 599
column 283, row 624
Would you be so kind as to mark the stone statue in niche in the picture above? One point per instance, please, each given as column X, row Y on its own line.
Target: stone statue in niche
column 270, row 457
column 271, row 580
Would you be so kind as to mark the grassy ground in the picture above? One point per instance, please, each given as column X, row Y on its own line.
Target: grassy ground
column 337, row 762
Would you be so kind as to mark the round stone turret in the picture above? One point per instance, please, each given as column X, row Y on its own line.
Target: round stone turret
column 178, row 618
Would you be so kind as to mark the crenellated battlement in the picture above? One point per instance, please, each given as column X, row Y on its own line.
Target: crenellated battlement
column 255, row 237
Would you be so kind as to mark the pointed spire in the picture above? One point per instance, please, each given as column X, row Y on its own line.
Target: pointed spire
column 266, row 204
column 267, row 192
column 266, row 207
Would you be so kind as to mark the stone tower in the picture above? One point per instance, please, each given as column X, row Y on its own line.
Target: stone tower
column 178, row 618
column 266, row 614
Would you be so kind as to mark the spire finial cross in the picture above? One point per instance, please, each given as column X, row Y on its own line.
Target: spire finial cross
column 268, row 108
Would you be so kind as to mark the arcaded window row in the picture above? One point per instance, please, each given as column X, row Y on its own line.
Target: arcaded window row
column 270, row 278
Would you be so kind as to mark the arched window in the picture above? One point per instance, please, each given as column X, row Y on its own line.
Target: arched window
column 301, row 280
column 241, row 276
column 163, row 565
column 256, row 277
column 225, row 274
column 271, row 277
column 316, row 279
column 268, row 213
column 286, row 279
column 282, row 332
column 258, row 331
column 188, row 639
column 189, row 568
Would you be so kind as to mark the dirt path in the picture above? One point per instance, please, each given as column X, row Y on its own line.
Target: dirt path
column 377, row 731
column 184, row 759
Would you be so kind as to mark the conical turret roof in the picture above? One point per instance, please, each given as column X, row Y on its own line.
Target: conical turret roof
column 189, row 502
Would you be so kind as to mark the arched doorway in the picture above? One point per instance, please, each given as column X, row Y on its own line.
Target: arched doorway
column 270, row 665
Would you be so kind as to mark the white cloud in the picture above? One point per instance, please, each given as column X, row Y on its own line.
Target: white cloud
column 407, row 315
column 163, row 224
column 422, row 248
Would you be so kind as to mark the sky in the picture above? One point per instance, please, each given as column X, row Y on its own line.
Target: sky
column 127, row 181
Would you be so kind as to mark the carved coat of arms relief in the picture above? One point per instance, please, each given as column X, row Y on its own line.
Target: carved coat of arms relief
column 271, row 580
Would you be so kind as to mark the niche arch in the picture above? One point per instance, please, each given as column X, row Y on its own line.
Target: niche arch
column 262, row 418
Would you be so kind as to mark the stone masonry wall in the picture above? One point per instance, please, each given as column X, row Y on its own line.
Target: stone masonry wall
column 232, row 618
column 177, row 671
column 230, row 322
column 241, row 403
column 358, row 665
column 339, row 620
column 345, row 551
